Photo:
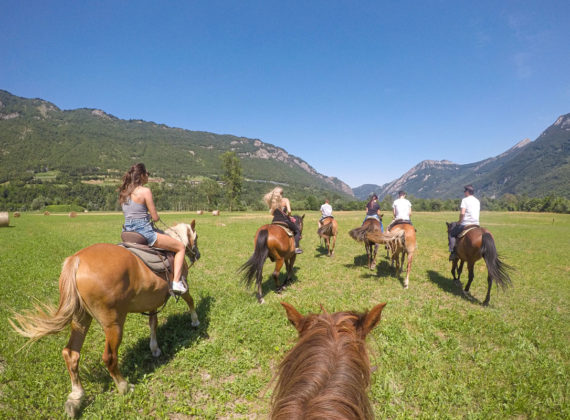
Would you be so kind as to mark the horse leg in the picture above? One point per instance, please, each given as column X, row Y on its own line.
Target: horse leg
column 276, row 270
column 190, row 302
column 333, row 245
column 152, row 323
column 375, row 246
column 408, row 269
column 113, row 337
column 488, row 297
column 71, row 354
column 471, row 277
column 328, row 245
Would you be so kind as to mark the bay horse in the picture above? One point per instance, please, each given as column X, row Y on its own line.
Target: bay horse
column 105, row 282
column 274, row 242
column 476, row 243
column 359, row 234
column 328, row 230
column 327, row 373
column 400, row 241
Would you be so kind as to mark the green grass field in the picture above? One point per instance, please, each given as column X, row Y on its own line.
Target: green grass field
column 437, row 354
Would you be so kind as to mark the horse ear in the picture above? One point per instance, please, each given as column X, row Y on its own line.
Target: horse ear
column 193, row 225
column 371, row 319
column 294, row 316
column 302, row 217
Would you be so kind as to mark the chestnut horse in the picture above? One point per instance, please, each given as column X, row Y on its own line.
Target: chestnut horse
column 327, row 373
column 475, row 244
column 271, row 241
column 359, row 234
column 328, row 230
column 399, row 248
column 105, row 282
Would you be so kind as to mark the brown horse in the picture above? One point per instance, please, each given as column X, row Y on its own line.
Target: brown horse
column 359, row 234
column 398, row 247
column 274, row 242
column 477, row 243
column 327, row 373
column 328, row 230
column 105, row 282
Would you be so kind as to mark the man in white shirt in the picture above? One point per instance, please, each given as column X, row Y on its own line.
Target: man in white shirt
column 401, row 209
column 469, row 215
column 326, row 211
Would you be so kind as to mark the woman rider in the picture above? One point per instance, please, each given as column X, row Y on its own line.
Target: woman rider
column 139, row 210
column 280, row 208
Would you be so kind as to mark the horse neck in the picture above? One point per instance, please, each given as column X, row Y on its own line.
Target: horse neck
column 327, row 371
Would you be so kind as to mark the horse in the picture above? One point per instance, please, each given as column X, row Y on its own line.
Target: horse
column 328, row 230
column 274, row 242
column 476, row 243
column 327, row 373
column 359, row 234
column 400, row 240
column 105, row 282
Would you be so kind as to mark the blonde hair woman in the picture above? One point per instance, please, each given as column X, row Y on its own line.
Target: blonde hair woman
column 139, row 210
column 280, row 208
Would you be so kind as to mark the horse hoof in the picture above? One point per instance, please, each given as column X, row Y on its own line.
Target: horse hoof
column 261, row 301
column 125, row 387
column 195, row 324
column 72, row 408
column 156, row 352
column 486, row 303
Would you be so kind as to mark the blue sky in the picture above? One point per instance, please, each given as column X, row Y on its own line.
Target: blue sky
column 360, row 90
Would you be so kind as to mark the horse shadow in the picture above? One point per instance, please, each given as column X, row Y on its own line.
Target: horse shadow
column 322, row 250
column 172, row 336
column 359, row 260
column 269, row 284
column 450, row 286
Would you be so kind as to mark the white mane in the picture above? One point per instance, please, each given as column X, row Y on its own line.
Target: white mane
column 180, row 231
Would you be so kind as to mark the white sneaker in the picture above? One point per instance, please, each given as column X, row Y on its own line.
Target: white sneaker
column 179, row 288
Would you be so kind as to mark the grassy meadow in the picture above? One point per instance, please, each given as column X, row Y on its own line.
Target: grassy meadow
column 438, row 355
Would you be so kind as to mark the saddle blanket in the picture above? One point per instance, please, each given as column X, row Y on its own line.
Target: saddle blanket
column 158, row 260
column 467, row 229
column 284, row 226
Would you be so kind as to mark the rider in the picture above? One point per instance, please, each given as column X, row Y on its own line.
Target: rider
column 373, row 211
column 326, row 211
column 139, row 210
column 280, row 208
column 402, row 210
column 468, row 215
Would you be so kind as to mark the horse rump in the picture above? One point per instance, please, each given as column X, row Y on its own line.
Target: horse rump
column 325, row 230
column 253, row 268
column 497, row 269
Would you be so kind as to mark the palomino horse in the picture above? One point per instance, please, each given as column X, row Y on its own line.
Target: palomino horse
column 474, row 244
column 327, row 373
column 398, row 247
column 105, row 282
column 328, row 230
column 274, row 242
column 359, row 234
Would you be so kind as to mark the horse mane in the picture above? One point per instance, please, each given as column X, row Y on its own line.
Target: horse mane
column 180, row 231
column 327, row 373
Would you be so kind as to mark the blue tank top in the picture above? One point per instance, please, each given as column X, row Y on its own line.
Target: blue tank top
column 133, row 210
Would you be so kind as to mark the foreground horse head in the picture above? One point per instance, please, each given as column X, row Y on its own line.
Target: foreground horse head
column 274, row 242
column 477, row 243
column 327, row 373
column 105, row 282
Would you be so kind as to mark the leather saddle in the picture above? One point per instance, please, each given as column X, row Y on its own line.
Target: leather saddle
column 285, row 227
column 467, row 229
column 160, row 261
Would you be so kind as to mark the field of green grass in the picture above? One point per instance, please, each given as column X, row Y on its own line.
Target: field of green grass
column 437, row 354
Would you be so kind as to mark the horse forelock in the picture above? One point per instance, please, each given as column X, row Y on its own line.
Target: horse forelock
column 328, row 367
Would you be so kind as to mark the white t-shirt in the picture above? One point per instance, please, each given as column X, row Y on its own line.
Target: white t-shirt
column 403, row 208
column 472, row 208
column 326, row 210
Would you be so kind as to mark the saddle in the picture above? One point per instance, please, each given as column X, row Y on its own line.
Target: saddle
column 327, row 217
column 160, row 261
column 467, row 229
column 284, row 226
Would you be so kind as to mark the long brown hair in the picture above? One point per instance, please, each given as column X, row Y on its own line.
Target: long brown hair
column 131, row 180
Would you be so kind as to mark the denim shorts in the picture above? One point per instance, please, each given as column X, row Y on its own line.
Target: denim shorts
column 142, row 226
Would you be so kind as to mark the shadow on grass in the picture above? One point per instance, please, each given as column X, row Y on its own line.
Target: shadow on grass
column 450, row 286
column 322, row 250
column 269, row 284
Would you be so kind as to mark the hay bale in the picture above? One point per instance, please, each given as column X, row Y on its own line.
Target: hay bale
column 4, row 219
column 73, row 214
column 200, row 212
column 46, row 213
column 216, row 213
column 16, row 214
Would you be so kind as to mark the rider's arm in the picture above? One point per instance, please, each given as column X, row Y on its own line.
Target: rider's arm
column 147, row 194
column 285, row 202
column 461, row 215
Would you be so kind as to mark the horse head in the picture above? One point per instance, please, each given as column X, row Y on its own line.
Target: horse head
column 450, row 226
column 298, row 220
column 186, row 233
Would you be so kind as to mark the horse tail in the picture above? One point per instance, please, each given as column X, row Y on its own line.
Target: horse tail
column 45, row 319
column 253, row 268
column 326, row 230
column 497, row 269
column 359, row 233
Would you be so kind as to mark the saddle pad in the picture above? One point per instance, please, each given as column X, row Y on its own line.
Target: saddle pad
column 467, row 229
column 284, row 226
column 158, row 260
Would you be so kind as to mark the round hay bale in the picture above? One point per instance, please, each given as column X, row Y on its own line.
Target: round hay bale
column 4, row 219
column 216, row 213
column 16, row 214
column 200, row 212
column 46, row 213
column 73, row 214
